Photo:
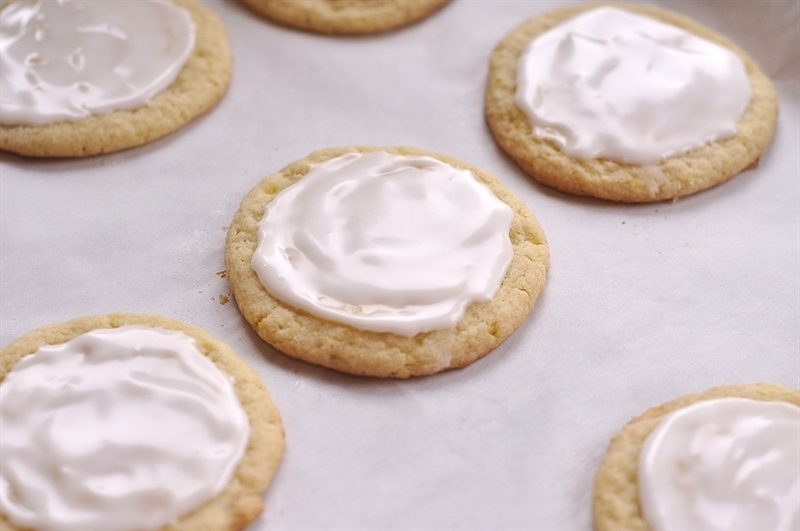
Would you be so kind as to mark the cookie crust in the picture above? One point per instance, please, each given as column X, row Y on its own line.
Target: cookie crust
column 616, row 496
column 707, row 166
column 199, row 86
column 241, row 500
column 345, row 17
column 347, row 349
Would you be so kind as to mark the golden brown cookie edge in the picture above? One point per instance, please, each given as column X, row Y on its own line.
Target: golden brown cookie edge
column 615, row 497
column 199, row 86
column 673, row 177
column 241, row 500
column 359, row 17
column 346, row 349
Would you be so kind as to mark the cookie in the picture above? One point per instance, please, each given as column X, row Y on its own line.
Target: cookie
column 132, row 456
column 616, row 498
column 345, row 17
column 199, row 85
column 565, row 155
column 399, row 321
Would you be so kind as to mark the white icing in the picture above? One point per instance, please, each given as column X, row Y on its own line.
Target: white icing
column 67, row 59
column 117, row 430
column 386, row 243
column 720, row 465
column 612, row 84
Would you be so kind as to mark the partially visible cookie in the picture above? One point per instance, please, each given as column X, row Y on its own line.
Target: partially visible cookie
column 402, row 352
column 611, row 177
column 200, row 84
column 616, row 497
column 345, row 16
column 167, row 397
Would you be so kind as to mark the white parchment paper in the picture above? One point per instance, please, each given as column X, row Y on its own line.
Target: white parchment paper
column 643, row 303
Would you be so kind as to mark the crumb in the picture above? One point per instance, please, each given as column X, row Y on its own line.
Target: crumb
column 224, row 299
column 222, row 274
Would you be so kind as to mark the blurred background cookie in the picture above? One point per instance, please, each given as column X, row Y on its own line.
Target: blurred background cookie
column 389, row 262
column 132, row 421
column 345, row 16
column 80, row 78
column 727, row 458
column 628, row 103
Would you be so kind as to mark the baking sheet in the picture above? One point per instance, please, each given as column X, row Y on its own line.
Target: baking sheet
column 643, row 303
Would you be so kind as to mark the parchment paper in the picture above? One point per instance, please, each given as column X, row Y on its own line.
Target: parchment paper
column 642, row 304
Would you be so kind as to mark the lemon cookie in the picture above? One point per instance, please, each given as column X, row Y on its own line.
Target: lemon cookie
column 627, row 103
column 345, row 16
column 389, row 262
column 727, row 458
column 80, row 77
column 132, row 422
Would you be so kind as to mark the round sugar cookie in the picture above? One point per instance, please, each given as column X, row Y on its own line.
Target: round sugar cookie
column 343, row 347
column 200, row 84
column 240, row 501
column 345, row 17
column 615, row 498
column 671, row 177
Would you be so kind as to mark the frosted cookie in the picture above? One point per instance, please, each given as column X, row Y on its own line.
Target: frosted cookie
column 727, row 458
column 345, row 16
column 132, row 422
column 389, row 262
column 627, row 103
column 80, row 77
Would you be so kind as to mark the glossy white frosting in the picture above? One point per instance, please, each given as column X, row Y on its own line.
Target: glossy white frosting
column 67, row 59
column 117, row 430
column 612, row 84
column 383, row 242
column 725, row 464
